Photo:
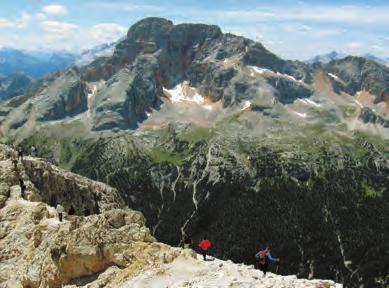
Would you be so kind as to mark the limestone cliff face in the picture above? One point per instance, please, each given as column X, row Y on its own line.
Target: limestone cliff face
column 53, row 185
column 66, row 96
column 122, row 101
column 39, row 251
column 36, row 250
column 56, row 185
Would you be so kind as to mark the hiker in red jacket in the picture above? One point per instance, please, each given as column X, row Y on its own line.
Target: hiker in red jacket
column 205, row 244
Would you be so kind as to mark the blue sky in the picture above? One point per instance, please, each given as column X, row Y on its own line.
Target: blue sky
column 291, row 29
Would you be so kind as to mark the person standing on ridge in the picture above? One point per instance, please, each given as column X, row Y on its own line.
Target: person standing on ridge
column 14, row 159
column 12, row 148
column 9, row 155
column 20, row 153
column 60, row 211
column 33, row 151
column 22, row 188
column 265, row 258
column 205, row 244
column 186, row 241
column 86, row 211
column 72, row 211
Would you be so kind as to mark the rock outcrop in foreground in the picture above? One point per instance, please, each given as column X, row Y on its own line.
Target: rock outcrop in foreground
column 110, row 249
column 50, row 184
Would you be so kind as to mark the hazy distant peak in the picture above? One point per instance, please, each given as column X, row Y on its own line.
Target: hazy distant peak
column 325, row 58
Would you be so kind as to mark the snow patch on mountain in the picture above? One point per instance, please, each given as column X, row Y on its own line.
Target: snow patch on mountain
column 287, row 76
column 208, row 107
column 358, row 103
column 309, row 102
column 333, row 76
column 302, row 115
column 184, row 93
column 246, row 105
column 264, row 71
column 92, row 93
column 260, row 70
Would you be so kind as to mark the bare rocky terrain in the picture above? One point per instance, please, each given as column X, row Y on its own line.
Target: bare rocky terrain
column 112, row 248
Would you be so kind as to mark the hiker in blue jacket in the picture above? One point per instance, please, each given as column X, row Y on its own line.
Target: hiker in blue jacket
column 265, row 257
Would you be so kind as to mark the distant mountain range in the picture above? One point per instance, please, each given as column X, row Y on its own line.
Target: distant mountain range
column 103, row 50
column 34, row 64
column 14, row 85
column 334, row 55
column 20, row 68
column 383, row 61
column 37, row 64
column 325, row 58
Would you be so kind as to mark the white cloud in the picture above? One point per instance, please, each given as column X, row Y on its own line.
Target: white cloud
column 41, row 16
column 9, row 40
column 301, row 28
column 315, row 13
column 306, row 29
column 107, row 32
column 354, row 45
column 54, row 10
column 131, row 7
column 20, row 22
column 70, row 37
column 331, row 13
column 5, row 23
column 378, row 48
column 58, row 27
column 23, row 20
column 313, row 31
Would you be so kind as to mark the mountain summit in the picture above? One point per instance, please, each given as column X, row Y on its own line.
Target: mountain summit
column 325, row 58
column 152, row 64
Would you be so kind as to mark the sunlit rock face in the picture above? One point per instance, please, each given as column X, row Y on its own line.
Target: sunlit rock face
column 109, row 249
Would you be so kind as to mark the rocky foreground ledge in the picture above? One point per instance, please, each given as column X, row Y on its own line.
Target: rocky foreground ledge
column 109, row 249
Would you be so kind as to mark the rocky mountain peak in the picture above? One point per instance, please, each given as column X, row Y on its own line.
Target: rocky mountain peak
column 120, row 90
column 149, row 30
